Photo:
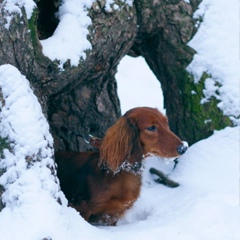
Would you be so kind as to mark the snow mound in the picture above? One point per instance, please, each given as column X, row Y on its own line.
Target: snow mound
column 25, row 127
column 31, row 191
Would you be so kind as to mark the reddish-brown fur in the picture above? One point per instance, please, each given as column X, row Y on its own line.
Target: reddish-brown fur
column 102, row 185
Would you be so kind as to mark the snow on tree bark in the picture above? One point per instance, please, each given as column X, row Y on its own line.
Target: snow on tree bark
column 26, row 164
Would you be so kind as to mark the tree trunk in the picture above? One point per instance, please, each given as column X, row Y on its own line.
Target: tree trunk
column 165, row 28
column 79, row 100
column 82, row 100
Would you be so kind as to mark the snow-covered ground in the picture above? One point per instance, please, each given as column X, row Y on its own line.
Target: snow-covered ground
column 205, row 206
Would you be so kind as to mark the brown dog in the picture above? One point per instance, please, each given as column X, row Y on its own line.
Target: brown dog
column 102, row 185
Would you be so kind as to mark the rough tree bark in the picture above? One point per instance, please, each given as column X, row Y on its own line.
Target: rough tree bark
column 82, row 100
column 165, row 28
column 79, row 100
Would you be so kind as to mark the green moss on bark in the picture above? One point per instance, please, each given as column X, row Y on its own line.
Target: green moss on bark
column 206, row 117
column 37, row 47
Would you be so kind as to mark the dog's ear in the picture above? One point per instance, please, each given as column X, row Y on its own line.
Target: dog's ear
column 121, row 143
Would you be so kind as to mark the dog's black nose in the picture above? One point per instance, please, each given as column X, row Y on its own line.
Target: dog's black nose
column 181, row 149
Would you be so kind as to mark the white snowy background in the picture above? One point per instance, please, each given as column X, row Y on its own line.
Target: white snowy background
column 207, row 203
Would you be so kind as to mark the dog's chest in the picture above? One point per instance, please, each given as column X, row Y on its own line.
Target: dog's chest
column 127, row 186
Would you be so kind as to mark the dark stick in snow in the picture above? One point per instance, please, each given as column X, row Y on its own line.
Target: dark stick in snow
column 163, row 179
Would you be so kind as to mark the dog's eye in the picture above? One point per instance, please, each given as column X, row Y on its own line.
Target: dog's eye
column 152, row 128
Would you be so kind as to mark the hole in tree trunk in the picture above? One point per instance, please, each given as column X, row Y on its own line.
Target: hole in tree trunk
column 47, row 20
column 137, row 85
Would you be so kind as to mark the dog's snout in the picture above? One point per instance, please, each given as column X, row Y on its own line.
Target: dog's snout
column 181, row 149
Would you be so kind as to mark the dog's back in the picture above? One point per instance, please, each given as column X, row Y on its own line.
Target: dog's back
column 73, row 171
column 98, row 195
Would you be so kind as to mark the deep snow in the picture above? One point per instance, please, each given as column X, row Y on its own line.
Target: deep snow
column 205, row 206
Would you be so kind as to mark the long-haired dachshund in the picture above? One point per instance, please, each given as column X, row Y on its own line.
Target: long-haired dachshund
column 103, row 184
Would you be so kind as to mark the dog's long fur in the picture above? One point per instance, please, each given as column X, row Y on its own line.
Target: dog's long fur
column 103, row 184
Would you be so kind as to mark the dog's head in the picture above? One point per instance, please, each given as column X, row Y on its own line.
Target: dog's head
column 141, row 131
